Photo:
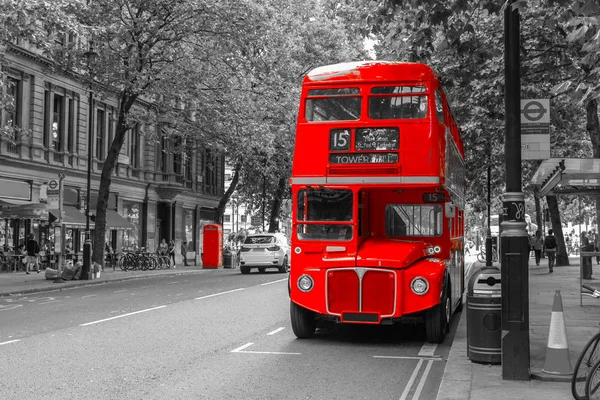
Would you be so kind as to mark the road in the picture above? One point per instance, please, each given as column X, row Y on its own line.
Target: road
column 214, row 335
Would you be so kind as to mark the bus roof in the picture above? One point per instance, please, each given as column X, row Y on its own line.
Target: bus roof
column 367, row 71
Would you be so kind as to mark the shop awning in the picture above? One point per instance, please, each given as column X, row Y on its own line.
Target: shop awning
column 72, row 217
column 115, row 221
column 568, row 176
column 23, row 211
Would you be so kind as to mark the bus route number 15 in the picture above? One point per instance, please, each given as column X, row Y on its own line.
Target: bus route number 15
column 339, row 139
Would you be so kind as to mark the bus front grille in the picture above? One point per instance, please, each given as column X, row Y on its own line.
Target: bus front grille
column 361, row 290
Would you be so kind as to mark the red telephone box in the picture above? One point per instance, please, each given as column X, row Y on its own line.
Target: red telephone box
column 212, row 247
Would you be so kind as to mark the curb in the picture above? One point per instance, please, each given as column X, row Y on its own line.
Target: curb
column 539, row 375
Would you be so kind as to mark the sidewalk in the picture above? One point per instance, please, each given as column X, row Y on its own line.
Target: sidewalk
column 19, row 282
column 464, row 379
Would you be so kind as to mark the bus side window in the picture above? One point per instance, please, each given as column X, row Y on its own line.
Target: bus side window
column 439, row 107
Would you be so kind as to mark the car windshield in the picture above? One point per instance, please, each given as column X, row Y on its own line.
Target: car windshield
column 259, row 239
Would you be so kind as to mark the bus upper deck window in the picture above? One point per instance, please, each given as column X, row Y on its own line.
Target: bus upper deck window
column 398, row 102
column 439, row 107
column 336, row 104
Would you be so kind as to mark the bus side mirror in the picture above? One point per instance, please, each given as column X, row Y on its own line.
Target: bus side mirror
column 449, row 210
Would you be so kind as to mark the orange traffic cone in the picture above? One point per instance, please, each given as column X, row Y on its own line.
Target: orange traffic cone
column 558, row 361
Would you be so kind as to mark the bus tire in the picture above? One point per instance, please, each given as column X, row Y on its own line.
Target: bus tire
column 437, row 320
column 304, row 322
column 244, row 269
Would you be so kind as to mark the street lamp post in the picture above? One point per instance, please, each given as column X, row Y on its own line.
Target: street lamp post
column 87, row 245
column 514, row 254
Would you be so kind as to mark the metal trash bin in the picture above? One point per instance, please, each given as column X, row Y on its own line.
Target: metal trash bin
column 484, row 316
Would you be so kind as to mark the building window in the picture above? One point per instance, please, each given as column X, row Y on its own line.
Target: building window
column 57, row 122
column 210, row 171
column 134, row 145
column 131, row 212
column 60, row 119
column 100, row 129
column 187, row 165
column 226, row 218
column 12, row 111
column 177, row 163
column 164, row 147
column 111, row 134
column 243, row 218
column 71, row 127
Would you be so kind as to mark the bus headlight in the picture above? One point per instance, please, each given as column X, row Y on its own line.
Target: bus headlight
column 437, row 249
column 305, row 283
column 419, row 285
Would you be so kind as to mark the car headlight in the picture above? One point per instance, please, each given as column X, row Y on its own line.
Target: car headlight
column 419, row 285
column 305, row 283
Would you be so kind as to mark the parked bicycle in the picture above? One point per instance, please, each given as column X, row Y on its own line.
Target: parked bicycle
column 481, row 256
column 585, row 382
column 143, row 260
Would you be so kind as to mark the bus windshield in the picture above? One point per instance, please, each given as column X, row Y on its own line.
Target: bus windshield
column 325, row 205
column 341, row 104
column 413, row 220
column 398, row 102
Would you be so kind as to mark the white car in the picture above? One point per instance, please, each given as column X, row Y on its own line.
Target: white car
column 265, row 250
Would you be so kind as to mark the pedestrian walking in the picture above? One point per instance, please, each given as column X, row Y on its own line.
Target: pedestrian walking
column 550, row 246
column 184, row 252
column 172, row 251
column 538, row 246
column 33, row 249
column 586, row 245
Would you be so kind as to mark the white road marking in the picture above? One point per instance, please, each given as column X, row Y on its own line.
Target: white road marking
column 275, row 331
column 241, row 350
column 411, row 380
column 242, row 347
column 218, row 294
column 121, row 316
column 427, row 350
column 434, row 358
column 268, row 283
column 422, row 381
column 172, row 283
column 10, row 341
column 89, row 295
column 11, row 307
column 48, row 302
column 120, row 291
column 269, row 352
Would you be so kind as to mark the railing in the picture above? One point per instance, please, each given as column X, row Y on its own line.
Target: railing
column 12, row 148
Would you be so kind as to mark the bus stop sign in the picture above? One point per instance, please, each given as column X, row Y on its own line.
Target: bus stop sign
column 535, row 129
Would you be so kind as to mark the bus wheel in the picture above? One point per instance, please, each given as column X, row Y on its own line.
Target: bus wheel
column 437, row 319
column 304, row 322
column 244, row 269
column 261, row 270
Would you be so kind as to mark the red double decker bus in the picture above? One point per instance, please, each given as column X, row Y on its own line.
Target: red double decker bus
column 378, row 186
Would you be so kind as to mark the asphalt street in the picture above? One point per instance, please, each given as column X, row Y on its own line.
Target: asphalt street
column 219, row 335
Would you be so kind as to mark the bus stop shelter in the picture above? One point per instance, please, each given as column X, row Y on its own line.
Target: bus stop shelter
column 572, row 176
column 575, row 176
